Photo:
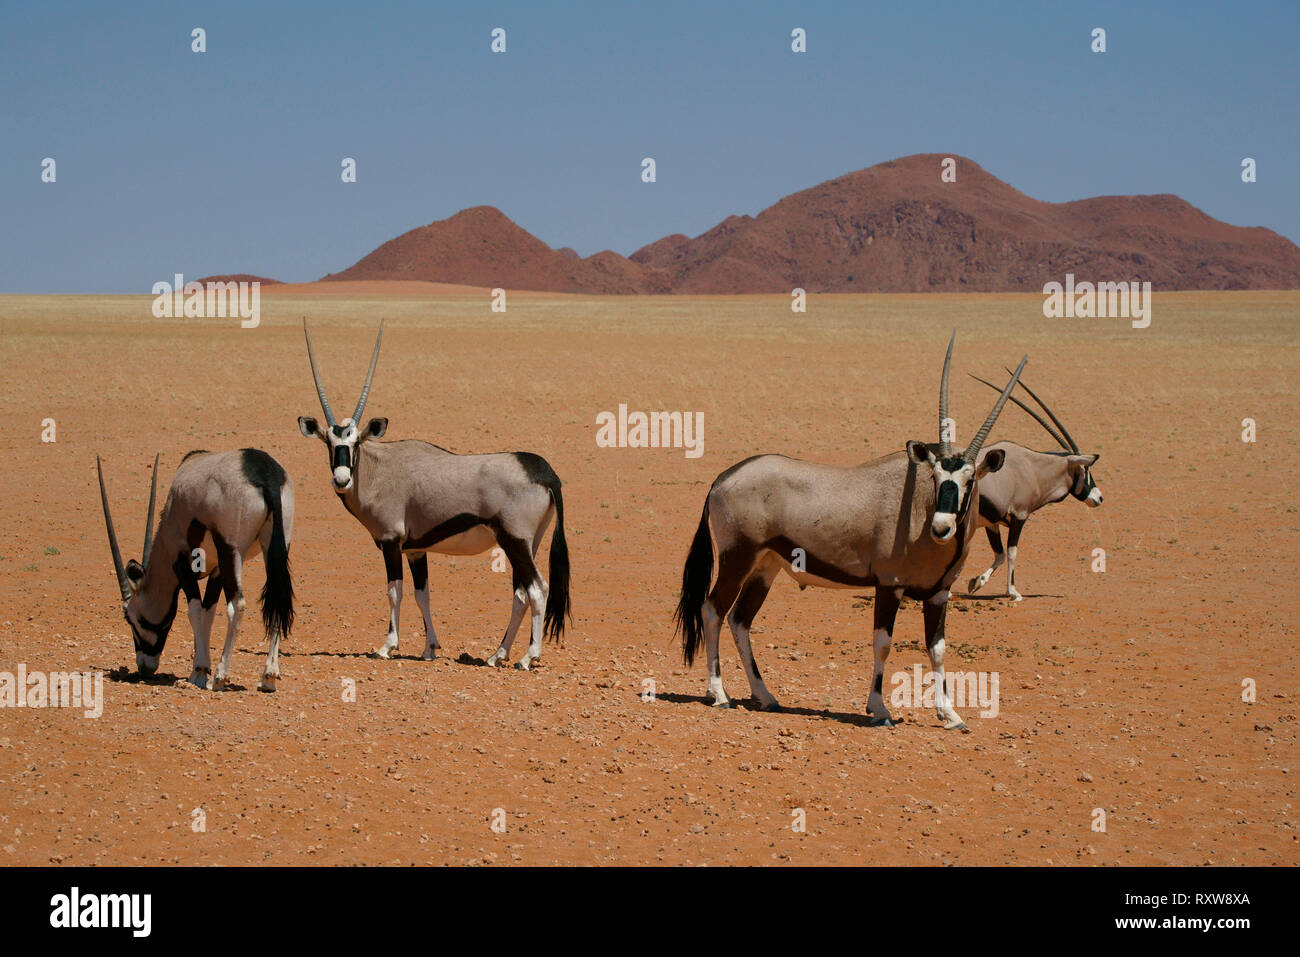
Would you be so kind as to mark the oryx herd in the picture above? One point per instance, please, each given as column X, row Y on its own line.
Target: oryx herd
column 902, row 525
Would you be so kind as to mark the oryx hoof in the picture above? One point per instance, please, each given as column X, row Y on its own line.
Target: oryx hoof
column 722, row 703
column 882, row 722
column 384, row 652
column 957, row 726
column 1015, row 596
column 199, row 678
column 523, row 664
column 220, row 684
column 975, row 585
column 772, row 707
column 267, row 683
column 430, row 654
column 495, row 661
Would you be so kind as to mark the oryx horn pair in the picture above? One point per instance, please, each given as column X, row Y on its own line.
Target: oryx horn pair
column 122, row 581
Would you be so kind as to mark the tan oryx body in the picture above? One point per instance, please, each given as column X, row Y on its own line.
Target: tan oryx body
column 901, row 524
column 222, row 508
column 1027, row 481
column 414, row 498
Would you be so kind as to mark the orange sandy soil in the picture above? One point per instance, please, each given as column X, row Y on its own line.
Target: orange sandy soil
column 1120, row 691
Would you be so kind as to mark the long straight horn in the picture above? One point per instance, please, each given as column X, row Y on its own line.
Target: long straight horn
column 148, row 519
column 944, row 444
column 315, row 374
column 1038, row 418
column 365, row 392
column 977, row 443
column 112, row 536
column 1072, row 446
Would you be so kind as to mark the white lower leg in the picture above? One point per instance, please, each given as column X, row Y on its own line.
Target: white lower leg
column 394, row 608
column 272, row 671
column 712, row 625
column 881, row 642
column 537, row 602
column 431, row 645
column 1011, row 574
column 202, row 659
column 766, row 700
column 516, row 616
column 977, row 583
column 234, row 611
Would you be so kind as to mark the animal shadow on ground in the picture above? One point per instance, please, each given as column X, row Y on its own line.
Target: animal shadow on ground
column 125, row 675
column 166, row 679
column 749, row 704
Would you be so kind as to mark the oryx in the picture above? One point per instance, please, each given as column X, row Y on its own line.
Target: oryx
column 223, row 507
column 902, row 523
column 1027, row 481
column 414, row 498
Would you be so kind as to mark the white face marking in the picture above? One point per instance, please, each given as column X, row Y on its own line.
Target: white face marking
column 944, row 524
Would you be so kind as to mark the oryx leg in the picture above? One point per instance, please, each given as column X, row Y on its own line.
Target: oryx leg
column 885, row 610
column 392, row 550
column 537, row 592
column 524, row 577
column 190, row 586
column 231, row 569
column 936, row 614
column 271, row 671
column 995, row 542
column 733, row 569
column 752, row 595
column 1013, row 539
column 202, row 614
column 419, row 565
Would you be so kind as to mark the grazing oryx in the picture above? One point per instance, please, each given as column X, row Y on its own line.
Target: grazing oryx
column 1027, row 481
column 901, row 523
column 230, row 505
column 414, row 498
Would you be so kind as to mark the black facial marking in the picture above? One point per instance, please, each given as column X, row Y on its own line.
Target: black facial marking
column 342, row 457
column 954, row 463
column 947, row 498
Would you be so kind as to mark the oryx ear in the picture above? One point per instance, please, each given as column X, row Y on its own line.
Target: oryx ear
column 1084, row 461
column 134, row 574
column 919, row 453
column 992, row 461
column 376, row 428
column 309, row 427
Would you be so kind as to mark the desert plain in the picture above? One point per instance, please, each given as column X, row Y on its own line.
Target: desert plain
column 1120, row 691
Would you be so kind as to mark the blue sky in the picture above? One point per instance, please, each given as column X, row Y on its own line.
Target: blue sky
column 228, row 161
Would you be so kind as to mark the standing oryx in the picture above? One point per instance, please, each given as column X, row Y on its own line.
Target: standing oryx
column 1026, row 482
column 880, row 524
column 414, row 498
column 228, row 505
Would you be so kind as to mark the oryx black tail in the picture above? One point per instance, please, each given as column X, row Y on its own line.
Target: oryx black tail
column 268, row 477
column 696, row 575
